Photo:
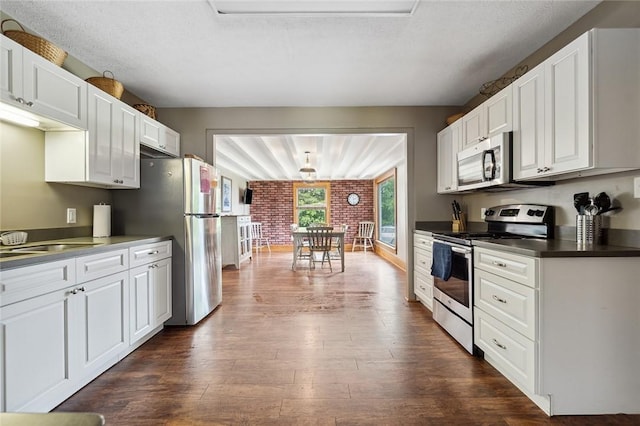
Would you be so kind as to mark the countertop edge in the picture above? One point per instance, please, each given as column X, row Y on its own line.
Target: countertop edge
column 106, row 244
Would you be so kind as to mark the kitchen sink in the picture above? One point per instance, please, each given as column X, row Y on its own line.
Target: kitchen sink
column 52, row 247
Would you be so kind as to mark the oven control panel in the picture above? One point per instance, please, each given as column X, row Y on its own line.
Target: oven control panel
column 521, row 213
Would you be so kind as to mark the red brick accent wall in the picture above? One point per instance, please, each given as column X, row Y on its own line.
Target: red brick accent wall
column 272, row 205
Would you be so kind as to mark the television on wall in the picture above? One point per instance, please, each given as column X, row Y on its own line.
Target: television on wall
column 248, row 195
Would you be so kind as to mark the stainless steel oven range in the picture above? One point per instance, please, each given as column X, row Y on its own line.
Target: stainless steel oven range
column 453, row 262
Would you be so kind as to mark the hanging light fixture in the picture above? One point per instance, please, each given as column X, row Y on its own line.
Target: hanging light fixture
column 308, row 172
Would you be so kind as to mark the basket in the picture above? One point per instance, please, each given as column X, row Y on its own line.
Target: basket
column 147, row 109
column 13, row 238
column 453, row 118
column 107, row 84
column 36, row 44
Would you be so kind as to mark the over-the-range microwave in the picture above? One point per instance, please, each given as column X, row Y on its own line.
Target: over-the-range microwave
column 487, row 165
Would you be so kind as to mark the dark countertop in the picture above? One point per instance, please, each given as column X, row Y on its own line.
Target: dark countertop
column 104, row 244
column 539, row 247
column 557, row 248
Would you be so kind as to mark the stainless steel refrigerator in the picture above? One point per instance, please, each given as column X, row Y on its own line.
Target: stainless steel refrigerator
column 177, row 198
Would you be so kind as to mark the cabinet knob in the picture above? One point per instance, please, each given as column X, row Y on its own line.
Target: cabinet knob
column 23, row 102
column 500, row 264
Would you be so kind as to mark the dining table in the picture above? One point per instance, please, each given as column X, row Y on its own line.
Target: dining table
column 299, row 236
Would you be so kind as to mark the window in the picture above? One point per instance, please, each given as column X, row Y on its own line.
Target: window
column 385, row 186
column 311, row 203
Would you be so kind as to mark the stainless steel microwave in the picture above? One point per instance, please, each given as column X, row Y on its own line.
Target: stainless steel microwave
column 488, row 165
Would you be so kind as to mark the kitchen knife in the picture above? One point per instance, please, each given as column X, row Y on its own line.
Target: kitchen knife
column 455, row 212
column 458, row 209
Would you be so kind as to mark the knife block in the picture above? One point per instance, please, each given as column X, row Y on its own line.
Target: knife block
column 459, row 225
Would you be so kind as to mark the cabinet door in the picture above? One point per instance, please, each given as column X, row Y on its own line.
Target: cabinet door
column 528, row 124
column 140, row 299
column 104, row 318
column 448, row 146
column 54, row 92
column 101, row 124
column 36, row 362
column 126, row 146
column 161, row 281
column 10, row 71
column 171, row 142
column 499, row 112
column 473, row 127
column 151, row 132
column 567, row 125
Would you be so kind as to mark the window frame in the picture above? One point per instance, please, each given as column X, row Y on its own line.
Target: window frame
column 326, row 185
column 392, row 173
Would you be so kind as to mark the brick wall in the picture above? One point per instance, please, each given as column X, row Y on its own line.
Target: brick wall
column 272, row 205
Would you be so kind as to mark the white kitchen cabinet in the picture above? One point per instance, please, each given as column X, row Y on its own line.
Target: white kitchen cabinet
column 32, row 83
column 150, row 288
column 590, row 109
column 422, row 259
column 550, row 327
column 37, row 338
column 103, row 317
column 108, row 155
column 159, row 137
column 62, row 323
column 490, row 118
column 448, row 147
column 236, row 240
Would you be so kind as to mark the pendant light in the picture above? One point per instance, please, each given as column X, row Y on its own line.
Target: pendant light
column 308, row 172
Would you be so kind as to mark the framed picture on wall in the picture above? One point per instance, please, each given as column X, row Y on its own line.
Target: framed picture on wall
column 226, row 194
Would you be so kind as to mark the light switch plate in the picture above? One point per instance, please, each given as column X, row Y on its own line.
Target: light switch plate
column 636, row 187
column 71, row 215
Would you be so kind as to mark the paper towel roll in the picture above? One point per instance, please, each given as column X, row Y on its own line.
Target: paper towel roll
column 102, row 220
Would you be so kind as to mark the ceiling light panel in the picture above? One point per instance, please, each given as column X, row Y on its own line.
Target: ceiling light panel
column 315, row 7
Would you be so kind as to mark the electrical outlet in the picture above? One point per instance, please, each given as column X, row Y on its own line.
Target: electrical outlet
column 482, row 212
column 71, row 215
column 636, row 187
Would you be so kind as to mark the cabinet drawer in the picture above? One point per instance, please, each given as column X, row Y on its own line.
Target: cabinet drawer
column 139, row 255
column 423, row 288
column 508, row 301
column 507, row 350
column 244, row 220
column 30, row 281
column 101, row 265
column 422, row 241
column 422, row 261
column 521, row 269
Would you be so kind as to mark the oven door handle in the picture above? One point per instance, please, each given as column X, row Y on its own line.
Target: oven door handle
column 460, row 250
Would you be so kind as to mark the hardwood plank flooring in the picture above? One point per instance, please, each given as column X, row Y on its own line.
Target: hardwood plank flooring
column 312, row 348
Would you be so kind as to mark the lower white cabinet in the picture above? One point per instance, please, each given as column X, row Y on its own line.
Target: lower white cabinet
column 562, row 329
column 38, row 336
column 63, row 323
column 150, row 296
column 422, row 259
column 236, row 240
column 102, row 317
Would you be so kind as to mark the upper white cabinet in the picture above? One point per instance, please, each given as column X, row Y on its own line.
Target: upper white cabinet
column 107, row 155
column 114, row 152
column 577, row 113
column 158, row 136
column 492, row 117
column 34, row 84
column 448, row 147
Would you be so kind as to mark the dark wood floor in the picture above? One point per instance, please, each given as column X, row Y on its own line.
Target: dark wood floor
column 316, row 348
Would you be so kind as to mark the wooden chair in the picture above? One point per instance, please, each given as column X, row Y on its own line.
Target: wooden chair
column 258, row 238
column 364, row 236
column 335, row 249
column 319, row 238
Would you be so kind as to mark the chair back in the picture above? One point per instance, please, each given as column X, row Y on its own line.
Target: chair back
column 319, row 238
column 365, row 229
column 256, row 230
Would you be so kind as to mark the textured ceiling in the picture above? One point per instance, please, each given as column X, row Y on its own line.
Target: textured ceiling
column 185, row 54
